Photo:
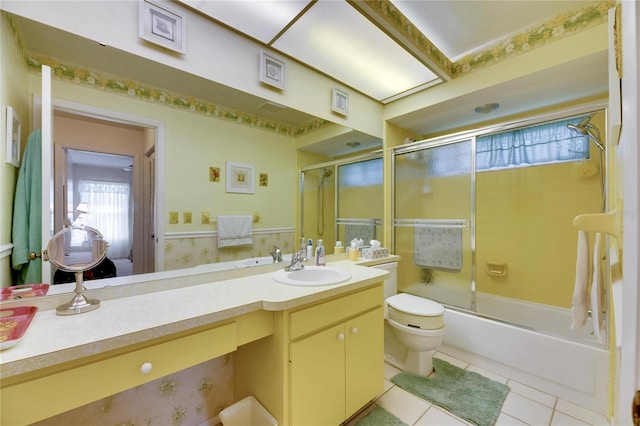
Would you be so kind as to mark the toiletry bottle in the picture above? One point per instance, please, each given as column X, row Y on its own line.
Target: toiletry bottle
column 320, row 260
column 310, row 249
column 339, row 248
column 354, row 253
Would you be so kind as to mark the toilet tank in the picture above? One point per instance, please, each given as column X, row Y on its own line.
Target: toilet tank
column 391, row 283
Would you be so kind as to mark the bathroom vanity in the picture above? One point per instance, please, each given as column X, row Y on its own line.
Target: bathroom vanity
column 323, row 362
column 293, row 346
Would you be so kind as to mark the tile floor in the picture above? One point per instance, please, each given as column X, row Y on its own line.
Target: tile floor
column 523, row 405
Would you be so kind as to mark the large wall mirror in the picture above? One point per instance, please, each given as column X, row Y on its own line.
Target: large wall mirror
column 107, row 161
column 342, row 201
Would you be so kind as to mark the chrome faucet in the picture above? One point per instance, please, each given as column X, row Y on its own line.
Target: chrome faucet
column 276, row 254
column 297, row 258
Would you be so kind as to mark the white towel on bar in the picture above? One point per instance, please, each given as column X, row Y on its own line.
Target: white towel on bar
column 235, row 231
column 596, row 289
column 580, row 300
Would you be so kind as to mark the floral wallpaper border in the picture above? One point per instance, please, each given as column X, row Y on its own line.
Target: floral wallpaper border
column 133, row 89
column 560, row 26
column 536, row 36
column 590, row 15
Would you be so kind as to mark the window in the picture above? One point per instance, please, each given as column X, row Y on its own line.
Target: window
column 544, row 143
column 109, row 212
column 363, row 173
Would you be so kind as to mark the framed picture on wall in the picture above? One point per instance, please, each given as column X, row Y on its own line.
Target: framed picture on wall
column 340, row 102
column 273, row 70
column 14, row 129
column 240, row 178
column 163, row 26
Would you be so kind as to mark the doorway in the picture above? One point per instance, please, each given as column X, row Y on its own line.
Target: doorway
column 99, row 195
column 102, row 178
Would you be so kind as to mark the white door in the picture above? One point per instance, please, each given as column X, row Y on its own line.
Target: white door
column 46, row 127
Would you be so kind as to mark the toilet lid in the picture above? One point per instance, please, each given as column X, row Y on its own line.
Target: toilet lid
column 415, row 305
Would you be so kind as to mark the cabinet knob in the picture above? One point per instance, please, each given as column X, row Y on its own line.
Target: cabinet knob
column 340, row 336
column 146, row 368
column 354, row 330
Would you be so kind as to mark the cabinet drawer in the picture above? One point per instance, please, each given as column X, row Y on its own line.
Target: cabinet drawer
column 318, row 316
column 72, row 388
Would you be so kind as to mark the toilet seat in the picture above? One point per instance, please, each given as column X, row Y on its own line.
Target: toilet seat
column 415, row 312
column 437, row 332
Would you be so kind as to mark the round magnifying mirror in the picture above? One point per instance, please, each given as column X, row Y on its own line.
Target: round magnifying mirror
column 76, row 249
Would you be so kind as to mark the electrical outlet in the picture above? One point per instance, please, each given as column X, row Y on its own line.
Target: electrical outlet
column 173, row 218
column 204, row 218
column 186, row 217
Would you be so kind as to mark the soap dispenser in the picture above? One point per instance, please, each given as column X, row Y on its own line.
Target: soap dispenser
column 320, row 258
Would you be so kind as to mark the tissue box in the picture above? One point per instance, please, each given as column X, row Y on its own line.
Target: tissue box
column 371, row 253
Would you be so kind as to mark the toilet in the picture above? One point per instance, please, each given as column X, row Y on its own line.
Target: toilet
column 414, row 327
column 417, row 324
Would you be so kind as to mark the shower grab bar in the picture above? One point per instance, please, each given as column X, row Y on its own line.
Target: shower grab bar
column 341, row 221
column 430, row 223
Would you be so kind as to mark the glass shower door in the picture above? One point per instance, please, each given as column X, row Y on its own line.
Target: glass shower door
column 433, row 216
column 360, row 201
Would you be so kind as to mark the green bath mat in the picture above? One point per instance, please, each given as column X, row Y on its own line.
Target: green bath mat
column 465, row 394
column 380, row 417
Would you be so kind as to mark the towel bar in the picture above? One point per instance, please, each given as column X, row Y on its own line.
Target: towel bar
column 609, row 223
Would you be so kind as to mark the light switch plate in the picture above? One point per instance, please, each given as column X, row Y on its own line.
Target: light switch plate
column 173, row 218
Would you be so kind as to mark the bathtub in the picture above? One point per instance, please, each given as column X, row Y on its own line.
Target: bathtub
column 569, row 364
column 572, row 371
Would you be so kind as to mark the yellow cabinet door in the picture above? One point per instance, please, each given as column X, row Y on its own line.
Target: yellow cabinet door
column 364, row 359
column 317, row 378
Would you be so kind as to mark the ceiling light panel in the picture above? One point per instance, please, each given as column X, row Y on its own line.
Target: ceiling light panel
column 260, row 19
column 335, row 39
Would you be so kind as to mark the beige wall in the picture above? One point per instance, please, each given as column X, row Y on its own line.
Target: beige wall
column 193, row 143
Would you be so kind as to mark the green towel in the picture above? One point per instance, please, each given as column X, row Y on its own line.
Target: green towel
column 27, row 213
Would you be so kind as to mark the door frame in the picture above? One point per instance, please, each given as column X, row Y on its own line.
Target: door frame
column 629, row 352
column 125, row 118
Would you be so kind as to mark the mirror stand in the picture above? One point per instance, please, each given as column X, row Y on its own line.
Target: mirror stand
column 77, row 249
column 79, row 303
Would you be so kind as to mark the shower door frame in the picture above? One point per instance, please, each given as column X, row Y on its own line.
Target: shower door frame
column 376, row 155
column 583, row 108
column 436, row 143
column 334, row 164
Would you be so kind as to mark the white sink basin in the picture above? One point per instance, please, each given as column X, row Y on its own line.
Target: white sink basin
column 258, row 261
column 312, row 276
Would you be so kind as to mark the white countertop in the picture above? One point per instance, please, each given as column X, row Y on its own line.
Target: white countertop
column 53, row 339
